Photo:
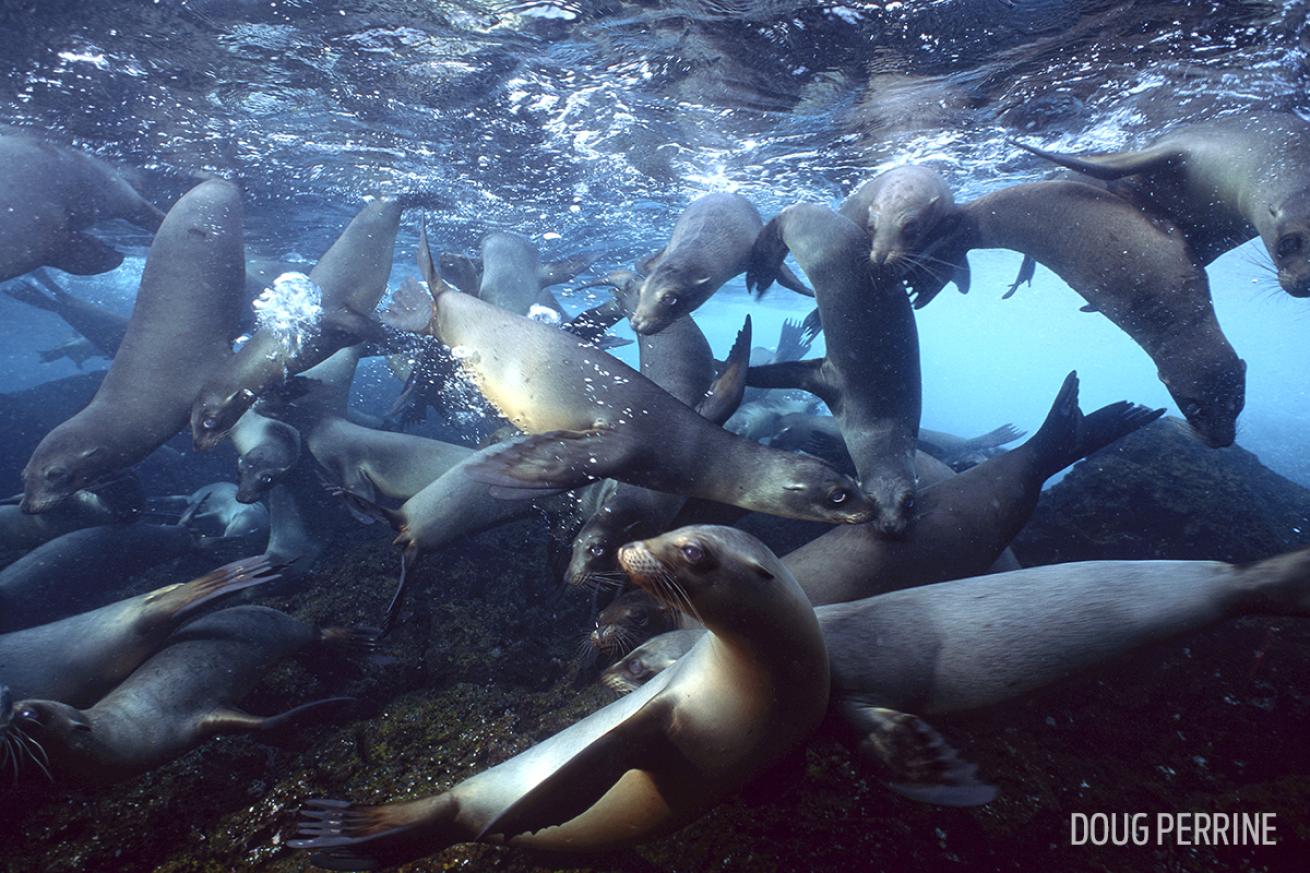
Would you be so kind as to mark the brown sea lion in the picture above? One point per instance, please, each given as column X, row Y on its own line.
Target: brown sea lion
column 352, row 275
column 869, row 376
column 649, row 763
column 510, row 273
column 48, row 196
column 183, row 695
column 710, row 244
column 629, row 620
column 181, row 332
column 1222, row 182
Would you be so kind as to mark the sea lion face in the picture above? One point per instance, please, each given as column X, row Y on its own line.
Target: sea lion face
column 895, row 501
column 1211, row 398
column 904, row 218
column 818, row 492
column 60, row 731
column 258, row 470
column 593, row 552
column 215, row 413
column 1289, row 244
column 55, row 473
column 630, row 620
column 669, row 293
column 627, row 674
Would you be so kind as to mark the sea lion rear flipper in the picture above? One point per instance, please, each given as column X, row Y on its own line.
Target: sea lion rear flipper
column 788, row 279
column 793, row 342
column 639, row 742
column 728, row 389
column 1026, row 272
column 923, row 766
column 813, row 325
column 1067, row 435
column 236, row 721
column 805, row 375
column 557, row 460
column 994, row 439
column 559, row 272
column 84, row 255
column 1115, row 165
column 182, row 601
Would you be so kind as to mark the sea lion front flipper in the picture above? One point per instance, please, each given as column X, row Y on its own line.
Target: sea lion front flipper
column 766, row 259
column 640, row 742
column 1115, row 165
column 84, row 255
column 1026, row 272
column 559, row 272
column 353, row 327
column 553, row 461
column 963, row 275
column 1088, row 307
column 411, row 309
column 729, row 387
column 805, row 375
column 230, row 720
column 789, row 280
column 923, row 765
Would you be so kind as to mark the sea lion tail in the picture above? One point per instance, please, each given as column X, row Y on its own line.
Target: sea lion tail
column 346, row 836
column 766, row 259
column 1068, row 436
column 730, row 387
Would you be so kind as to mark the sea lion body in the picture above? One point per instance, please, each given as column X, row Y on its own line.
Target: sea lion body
column 180, row 332
column 267, row 449
column 21, row 531
column 598, row 418
column 1137, row 271
column 78, row 659
column 181, row 696
column 869, row 376
column 749, row 691
column 214, row 511
column 1223, row 181
column 375, row 463
column 513, row 276
column 352, row 275
column 48, row 196
column 59, row 577
column 963, row 524
column 101, row 327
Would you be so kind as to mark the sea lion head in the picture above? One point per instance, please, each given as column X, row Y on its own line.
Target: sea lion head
column 56, row 730
column 1210, row 396
column 259, row 469
column 904, row 218
column 215, row 413
column 671, row 291
column 1288, row 242
column 810, row 489
column 642, row 664
column 631, row 619
column 722, row 576
column 894, row 498
column 61, row 465
column 592, row 556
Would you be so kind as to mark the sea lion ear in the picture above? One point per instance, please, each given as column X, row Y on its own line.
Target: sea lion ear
column 91, row 452
column 761, row 571
column 246, row 395
column 936, row 198
column 1273, row 210
column 702, row 280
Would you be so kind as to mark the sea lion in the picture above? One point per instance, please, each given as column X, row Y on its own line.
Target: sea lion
column 649, row 763
column 103, row 328
column 510, row 273
column 373, row 463
column 1135, row 269
column 711, row 243
column 652, row 657
column 183, row 695
column 629, row 620
column 267, row 449
column 180, row 332
column 69, row 574
column 352, row 276
column 961, row 525
column 595, row 417
column 48, row 196
column 805, row 432
column 77, row 660
column 869, row 376
column 112, row 503
column 214, row 511
column 78, row 349
column 1222, row 182
column 904, row 210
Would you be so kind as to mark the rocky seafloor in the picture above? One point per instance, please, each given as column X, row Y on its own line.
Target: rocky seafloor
column 484, row 664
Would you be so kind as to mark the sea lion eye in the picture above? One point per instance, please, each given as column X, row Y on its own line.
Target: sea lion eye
column 693, row 553
column 838, row 496
column 265, row 479
column 636, row 668
column 28, row 714
column 669, row 300
column 54, row 474
column 1288, row 246
column 597, row 551
column 209, row 422
column 911, row 229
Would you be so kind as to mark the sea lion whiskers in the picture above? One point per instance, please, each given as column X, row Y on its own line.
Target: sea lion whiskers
column 20, row 740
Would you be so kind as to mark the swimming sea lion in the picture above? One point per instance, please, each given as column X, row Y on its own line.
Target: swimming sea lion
column 214, row 511
column 904, row 210
column 869, row 376
column 710, row 244
column 183, row 695
column 1222, row 181
column 644, row 662
column 595, row 417
column 805, row 432
column 1138, row 271
column 629, row 620
column 69, row 574
column 181, row 331
column 352, row 275
column 79, row 350
column 103, row 328
column 647, row 764
column 374, row 463
column 48, row 196
column 267, row 449
column 510, row 273
column 77, row 660
column 961, row 525
column 112, row 503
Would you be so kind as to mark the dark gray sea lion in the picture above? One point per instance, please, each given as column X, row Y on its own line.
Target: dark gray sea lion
column 1223, row 182
column 649, row 763
column 1138, row 271
column 710, row 244
column 869, row 376
column 267, row 449
column 510, row 273
column 352, row 275
column 70, row 573
column 112, row 503
column 805, row 432
column 79, row 350
column 961, row 525
column 183, row 695
column 214, row 511
column 48, row 196
column 594, row 417
column 629, row 620
column 77, row 660
column 904, row 210
column 103, row 328
column 181, row 331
